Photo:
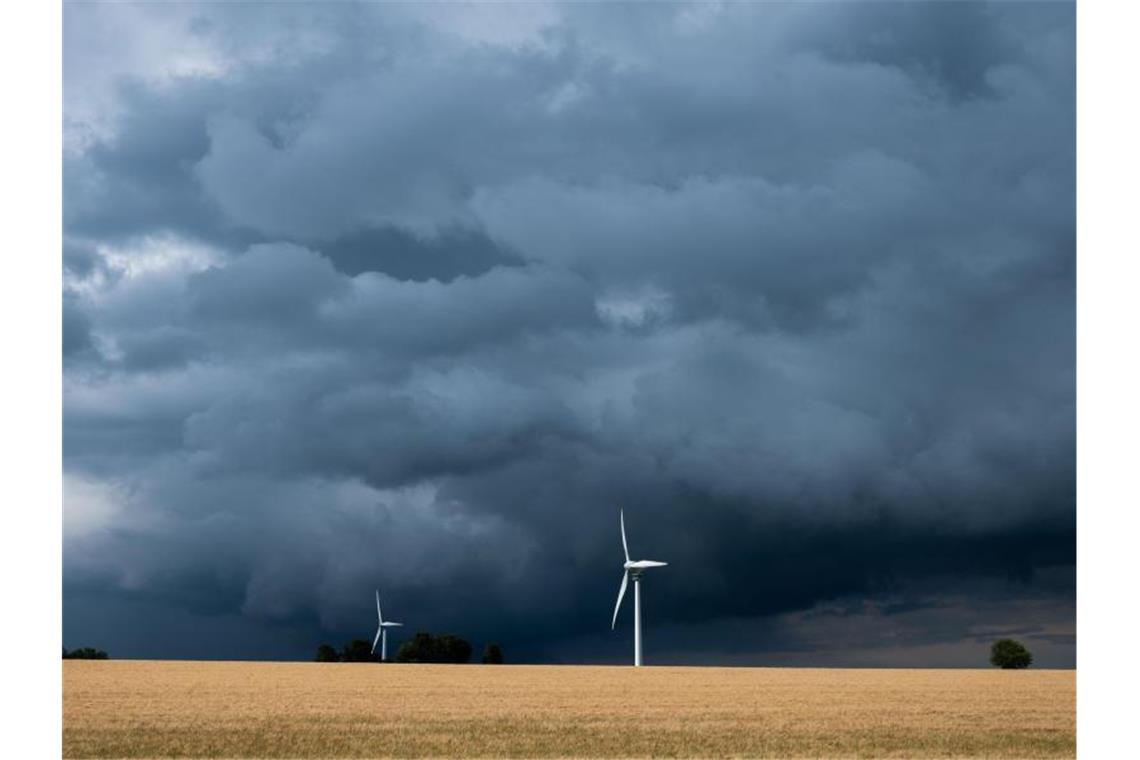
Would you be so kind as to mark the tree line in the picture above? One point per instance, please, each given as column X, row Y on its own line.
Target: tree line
column 422, row 647
column 448, row 648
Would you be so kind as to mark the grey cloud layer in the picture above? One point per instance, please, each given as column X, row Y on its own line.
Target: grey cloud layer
column 384, row 295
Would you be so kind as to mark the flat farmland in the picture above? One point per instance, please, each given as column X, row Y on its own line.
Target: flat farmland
column 291, row 710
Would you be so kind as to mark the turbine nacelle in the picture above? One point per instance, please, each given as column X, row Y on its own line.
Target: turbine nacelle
column 641, row 564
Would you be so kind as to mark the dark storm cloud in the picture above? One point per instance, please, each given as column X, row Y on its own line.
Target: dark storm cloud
column 76, row 330
column 952, row 44
column 458, row 252
column 388, row 295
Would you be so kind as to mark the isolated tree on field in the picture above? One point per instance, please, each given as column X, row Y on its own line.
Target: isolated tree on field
column 1008, row 654
column 492, row 655
column 326, row 653
column 357, row 650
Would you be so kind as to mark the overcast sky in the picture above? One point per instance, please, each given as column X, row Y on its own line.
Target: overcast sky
column 416, row 297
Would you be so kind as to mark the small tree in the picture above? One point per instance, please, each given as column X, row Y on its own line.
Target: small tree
column 85, row 653
column 492, row 655
column 419, row 648
column 423, row 647
column 451, row 648
column 326, row 653
column 357, row 650
column 1008, row 654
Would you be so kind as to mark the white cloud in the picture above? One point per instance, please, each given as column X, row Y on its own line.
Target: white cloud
column 90, row 505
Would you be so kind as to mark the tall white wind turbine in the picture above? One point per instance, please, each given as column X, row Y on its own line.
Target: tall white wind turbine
column 382, row 631
column 634, row 570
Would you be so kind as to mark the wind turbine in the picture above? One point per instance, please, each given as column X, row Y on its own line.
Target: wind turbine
column 382, row 631
column 634, row 569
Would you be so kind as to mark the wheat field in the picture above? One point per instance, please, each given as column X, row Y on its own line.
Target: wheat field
column 291, row 710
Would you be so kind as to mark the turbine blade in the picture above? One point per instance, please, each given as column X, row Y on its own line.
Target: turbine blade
column 621, row 593
column 376, row 640
column 379, row 614
column 624, row 545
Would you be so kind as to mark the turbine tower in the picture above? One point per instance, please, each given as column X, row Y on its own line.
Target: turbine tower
column 634, row 569
column 382, row 631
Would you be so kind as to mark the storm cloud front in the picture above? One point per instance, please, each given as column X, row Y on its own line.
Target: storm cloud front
column 416, row 297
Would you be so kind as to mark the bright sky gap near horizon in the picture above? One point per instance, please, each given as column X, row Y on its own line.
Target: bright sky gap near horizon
column 416, row 297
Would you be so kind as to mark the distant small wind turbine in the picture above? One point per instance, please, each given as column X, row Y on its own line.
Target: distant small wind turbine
column 382, row 631
column 634, row 569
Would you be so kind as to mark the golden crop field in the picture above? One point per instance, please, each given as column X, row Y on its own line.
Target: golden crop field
column 291, row 710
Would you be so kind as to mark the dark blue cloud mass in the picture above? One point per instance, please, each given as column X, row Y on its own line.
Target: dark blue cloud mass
column 417, row 296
